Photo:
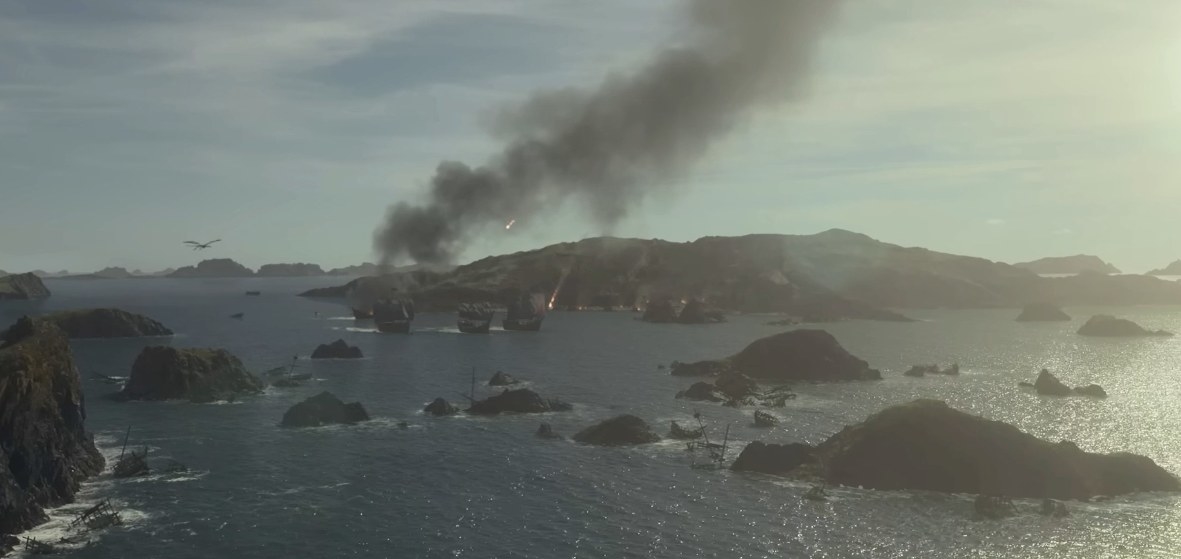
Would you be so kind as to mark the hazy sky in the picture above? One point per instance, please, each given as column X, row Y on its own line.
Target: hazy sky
column 1008, row 129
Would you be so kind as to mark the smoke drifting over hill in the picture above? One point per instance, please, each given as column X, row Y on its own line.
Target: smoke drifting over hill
column 607, row 146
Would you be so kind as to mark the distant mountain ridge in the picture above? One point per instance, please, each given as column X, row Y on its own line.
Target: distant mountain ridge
column 1077, row 264
column 1173, row 269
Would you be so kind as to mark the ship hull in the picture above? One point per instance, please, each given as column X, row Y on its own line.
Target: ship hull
column 361, row 314
column 469, row 326
column 394, row 326
column 522, row 324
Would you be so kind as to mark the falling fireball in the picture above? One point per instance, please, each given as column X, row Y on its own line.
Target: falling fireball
column 509, row 225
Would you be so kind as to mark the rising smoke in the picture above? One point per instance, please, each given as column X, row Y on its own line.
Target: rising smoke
column 607, row 146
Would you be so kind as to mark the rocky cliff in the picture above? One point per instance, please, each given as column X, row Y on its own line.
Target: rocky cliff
column 45, row 451
column 215, row 268
column 22, row 286
column 289, row 270
column 106, row 323
column 1077, row 264
column 830, row 275
column 198, row 375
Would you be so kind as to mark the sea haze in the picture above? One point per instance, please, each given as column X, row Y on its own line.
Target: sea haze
column 465, row 487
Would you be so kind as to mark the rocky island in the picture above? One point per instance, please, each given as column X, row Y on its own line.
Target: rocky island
column 1103, row 325
column 22, row 287
column 339, row 349
column 46, row 451
column 1042, row 312
column 215, row 268
column 1173, row 269
column 106, row 323
column 323, row 409
column 623, row 430
column 197, row 375
column 289, row 270
column 926, row 445
column 521, row 400
column 798, row 355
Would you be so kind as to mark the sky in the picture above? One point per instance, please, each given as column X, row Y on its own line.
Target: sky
column 1007, row 129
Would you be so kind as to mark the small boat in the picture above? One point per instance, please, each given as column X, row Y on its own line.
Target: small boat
column 475, row 318
column 362, row 314
column 238, row 315
column 254, row 293
column 764, row 419
column 393, row 316
column 526, row 313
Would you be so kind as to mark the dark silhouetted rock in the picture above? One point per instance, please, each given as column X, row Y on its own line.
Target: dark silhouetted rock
column 22, row 286
column 1052, row 508
column 1077, row 264
column 623, row 430
column 545, row 431
column 521, row 400
column 994, row 507
column 502, row 379
column 106, row 323
column 696, row 312
column 1091, row 391
column 323, row 409
column 1042, row 312
column 289, row 270
column 736, row 386
column 771, row 458
column 660, row 311
column 1110, row 326
column 698, row 369
column 440, row 407
column 677, row 432
column 1173, row 269
column 1024, row 384
column 198, row 375
column 922, row 370
column 1048, row 385
column 215, row 268
column 783, row 322
column 701, row 392
column 798, row 355
column 337, row 350
column 926, row 445
column 45, row 451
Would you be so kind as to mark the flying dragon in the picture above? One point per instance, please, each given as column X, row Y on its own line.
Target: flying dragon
column 201, row 246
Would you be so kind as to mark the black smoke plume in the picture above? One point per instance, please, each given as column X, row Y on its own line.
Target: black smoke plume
column 607, row 146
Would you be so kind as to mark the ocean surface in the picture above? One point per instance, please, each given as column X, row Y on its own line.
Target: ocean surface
column 467, row 487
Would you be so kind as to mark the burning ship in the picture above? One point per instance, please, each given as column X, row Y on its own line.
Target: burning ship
column 475, row 318
column 393, row 316
column 362, row 314
column 526, row 313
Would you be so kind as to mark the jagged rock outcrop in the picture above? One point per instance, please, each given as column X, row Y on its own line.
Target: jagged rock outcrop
column 545, row 431
column 1104, row 325
column 106, row 323
column 440, row 407
column 45, row 451
column 1077, row 264
column 197, row 375
column 502, row 379
column 521, row 400
column 797, row 355
column 337, row 350
column 771, row 458
column 21, row 287
column 701, row 392
column 623, row 430
column 1048, row 385
column 323, row 409
column 660, row 311
column 1173, row 269
column 215, row 268
column 1042, row 312
column 696, row 312
column 289, row 270
column 1091, row 391
column 923, row 370
column 926, row 445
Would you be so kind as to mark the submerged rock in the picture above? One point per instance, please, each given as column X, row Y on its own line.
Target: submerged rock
column 1052, row 508
column 502, row 379
column 440, row 408
column 701, row 392
column 22, row 286
column 198, row 375
column 699, row 369
column 521, row 400
column 771, row 458
column 1042, row 312
column 926, row 445
column 623, row 430
column 1109, row 326
column 106, row 323
column 545, row 431
column 45, row 451
column 923, row 370
column 337, row 350
column 1091, row 391
column 1048, row 385
column 994, row 507
column 798, row 355
column 323, row 409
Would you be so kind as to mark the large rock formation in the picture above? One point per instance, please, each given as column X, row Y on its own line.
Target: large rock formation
column 323, row 409
column 337, row 350
column 623, row 430
column 45, row 451
column 215, row 268
column 1048, row 385
column 440, row 407
column 289, row 270
column 364, row 269
column 1104, row 325
column 22, row 286
column 502, row 378
column 106, row 323
column 798, row 355
column 926, row 445
column 198, row 375
column 1042, row 312
column 660, row 311
column 1173, row 269
column 521, row 400
column 1077, row 264
column 771, row 458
